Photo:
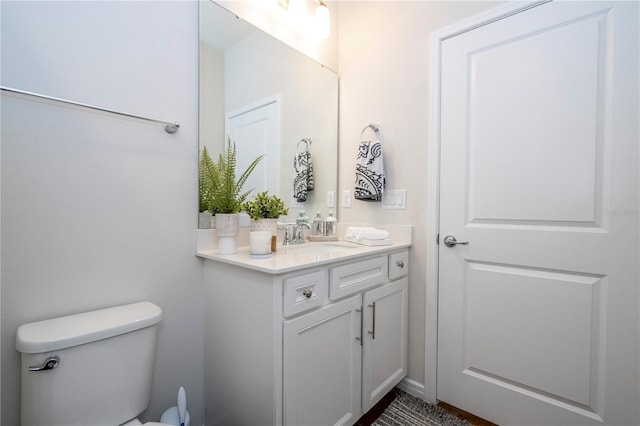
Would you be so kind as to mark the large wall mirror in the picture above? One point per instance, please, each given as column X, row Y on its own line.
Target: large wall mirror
column 268, row 98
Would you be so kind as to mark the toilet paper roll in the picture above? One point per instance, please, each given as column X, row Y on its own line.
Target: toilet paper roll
column 260, row 242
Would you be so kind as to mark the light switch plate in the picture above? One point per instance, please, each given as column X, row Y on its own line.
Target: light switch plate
column 295, row 203
column 331, row 199
column 394, row 199
column 346, row 198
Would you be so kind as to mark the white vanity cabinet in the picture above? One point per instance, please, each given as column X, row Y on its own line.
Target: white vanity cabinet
column 322, row 361
column 315, row 346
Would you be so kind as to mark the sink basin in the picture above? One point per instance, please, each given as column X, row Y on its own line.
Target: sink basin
column 319, row 248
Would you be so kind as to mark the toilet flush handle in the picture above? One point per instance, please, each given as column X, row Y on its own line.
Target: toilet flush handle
column 48, row 364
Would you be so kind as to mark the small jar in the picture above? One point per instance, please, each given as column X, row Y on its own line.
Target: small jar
column 330, row 225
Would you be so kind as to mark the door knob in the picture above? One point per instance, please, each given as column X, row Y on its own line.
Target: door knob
column 450, row 241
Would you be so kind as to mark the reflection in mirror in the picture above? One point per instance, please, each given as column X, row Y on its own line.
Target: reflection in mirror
column 267, row 97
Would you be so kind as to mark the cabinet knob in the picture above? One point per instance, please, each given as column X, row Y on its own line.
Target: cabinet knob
column 400, row 264
column 307, row 294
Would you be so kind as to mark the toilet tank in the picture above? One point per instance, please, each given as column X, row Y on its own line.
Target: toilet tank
column 103, row 371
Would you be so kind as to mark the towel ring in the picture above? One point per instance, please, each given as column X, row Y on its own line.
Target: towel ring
column 307, row 143
column 375, row 128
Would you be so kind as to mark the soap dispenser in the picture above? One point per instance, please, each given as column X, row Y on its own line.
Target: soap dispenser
column 330, row 225
column 318, row 225
column 302, row 217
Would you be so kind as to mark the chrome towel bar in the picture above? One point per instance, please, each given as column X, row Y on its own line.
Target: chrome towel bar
column 169, row 127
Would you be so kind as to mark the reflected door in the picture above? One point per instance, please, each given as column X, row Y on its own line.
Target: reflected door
column 255, row 130
column 538, row 314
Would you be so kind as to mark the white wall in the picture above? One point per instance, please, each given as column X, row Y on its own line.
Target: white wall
column 211, row 99
column 383, row 68
column 99, row 210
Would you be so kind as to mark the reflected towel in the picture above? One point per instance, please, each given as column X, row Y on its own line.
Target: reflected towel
column 370, row 177
column 303, row 176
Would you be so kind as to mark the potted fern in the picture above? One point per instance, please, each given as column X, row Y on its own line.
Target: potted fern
column 223, row 194
column 205, row 208
column 264, row 211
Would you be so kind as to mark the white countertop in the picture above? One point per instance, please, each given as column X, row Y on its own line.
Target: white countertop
column 300, row 256
column 292, row 258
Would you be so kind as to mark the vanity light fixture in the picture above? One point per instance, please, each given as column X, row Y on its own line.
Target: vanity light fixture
column 297, row 10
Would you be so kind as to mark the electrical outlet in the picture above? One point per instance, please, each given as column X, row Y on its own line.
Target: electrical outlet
column 346, row 198
column 295, row 203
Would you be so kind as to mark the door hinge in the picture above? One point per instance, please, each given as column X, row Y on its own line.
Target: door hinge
column 438, row 239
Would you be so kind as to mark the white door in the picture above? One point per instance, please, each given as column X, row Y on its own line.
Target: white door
column 384, row 355
column 322, row 366
column 538, row 314
column 255, row 131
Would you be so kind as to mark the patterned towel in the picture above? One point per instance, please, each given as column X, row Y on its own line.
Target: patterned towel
column 370, row 177
column 303, row 179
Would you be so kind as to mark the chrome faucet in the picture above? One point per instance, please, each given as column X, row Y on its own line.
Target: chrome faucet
column 298, row 232
column 295, row 236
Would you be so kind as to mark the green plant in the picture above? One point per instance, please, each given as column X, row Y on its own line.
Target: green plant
column 207, row 175
column 220, row 191
column 265, row 206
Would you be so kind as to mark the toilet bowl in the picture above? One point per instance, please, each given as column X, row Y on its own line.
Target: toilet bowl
column 102, row 359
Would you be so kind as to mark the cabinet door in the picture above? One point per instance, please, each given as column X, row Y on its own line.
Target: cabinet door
column 322, row 366
column 384, row 361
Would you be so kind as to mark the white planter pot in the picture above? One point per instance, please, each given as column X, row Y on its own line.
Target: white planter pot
column 227, row 230
column 270, row 225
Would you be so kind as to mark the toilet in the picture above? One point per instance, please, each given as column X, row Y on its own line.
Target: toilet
column 93, row 368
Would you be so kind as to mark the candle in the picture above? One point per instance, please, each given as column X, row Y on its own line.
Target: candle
column 260, row 242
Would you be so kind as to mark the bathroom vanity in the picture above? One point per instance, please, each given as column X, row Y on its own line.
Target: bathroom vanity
column 316, row 335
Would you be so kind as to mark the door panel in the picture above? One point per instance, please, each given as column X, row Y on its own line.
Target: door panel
column 322, row 366
column 255, row 131
column 538, row 314
column 384, row 362
column 529, row 132
column 553, row 348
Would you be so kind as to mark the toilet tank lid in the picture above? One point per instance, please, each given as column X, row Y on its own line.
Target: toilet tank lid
column 73, row 330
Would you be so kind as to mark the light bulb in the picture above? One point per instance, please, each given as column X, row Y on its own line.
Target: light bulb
column 297, row 8
column 322, row 21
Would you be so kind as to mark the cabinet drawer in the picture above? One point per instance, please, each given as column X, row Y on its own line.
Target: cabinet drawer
column 357, row 276
column 304, row 292
column 398, row 264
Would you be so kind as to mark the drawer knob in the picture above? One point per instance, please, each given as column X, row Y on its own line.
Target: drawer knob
column 307, row 294
column 400, row 264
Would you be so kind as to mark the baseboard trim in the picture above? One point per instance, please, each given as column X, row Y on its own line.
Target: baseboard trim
column 412, row 387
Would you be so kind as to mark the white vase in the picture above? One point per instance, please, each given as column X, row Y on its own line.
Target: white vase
column 227, row 230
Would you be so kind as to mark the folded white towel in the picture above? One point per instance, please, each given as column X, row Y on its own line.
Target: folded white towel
column 368, row 233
